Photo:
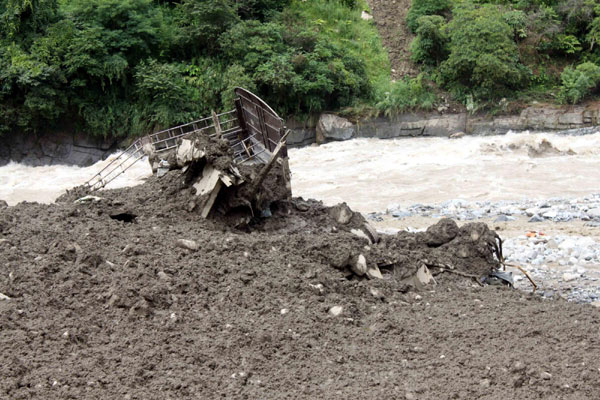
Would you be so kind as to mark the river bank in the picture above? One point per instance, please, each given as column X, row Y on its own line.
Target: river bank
column 76, row 148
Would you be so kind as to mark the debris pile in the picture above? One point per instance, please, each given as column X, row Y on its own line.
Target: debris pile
column 219, row 185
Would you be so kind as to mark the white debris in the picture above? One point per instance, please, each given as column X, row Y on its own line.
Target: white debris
column 87, row 199
column 336, row 310
column 359, row 266
column 568, row 276
column 187, row 244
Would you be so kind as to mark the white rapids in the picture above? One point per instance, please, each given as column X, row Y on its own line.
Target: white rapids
column 44, row 184
column 370, row 174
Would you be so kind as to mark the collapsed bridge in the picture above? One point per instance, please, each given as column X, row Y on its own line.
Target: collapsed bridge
column 253, row 131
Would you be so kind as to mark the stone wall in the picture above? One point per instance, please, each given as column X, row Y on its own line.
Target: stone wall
column 535, row 118
column 54, row 148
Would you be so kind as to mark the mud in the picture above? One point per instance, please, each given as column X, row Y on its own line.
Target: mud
column 100, row 308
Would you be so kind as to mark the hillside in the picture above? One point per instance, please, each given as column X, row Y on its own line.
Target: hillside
column 390, row 17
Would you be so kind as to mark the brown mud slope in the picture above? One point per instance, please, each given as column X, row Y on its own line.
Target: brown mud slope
column 101, row 308
column 390, row 17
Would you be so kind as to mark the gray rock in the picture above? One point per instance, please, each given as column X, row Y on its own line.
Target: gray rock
column 333, row 128
column 187, row 244
column 373, row 272
column 536, row 218
column 546, row 376
column 504, row 218
column 341, row 213
column 3, row 204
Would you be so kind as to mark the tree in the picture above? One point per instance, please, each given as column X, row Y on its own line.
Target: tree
column 484, row 59
column 430, row 47
column 421, row 8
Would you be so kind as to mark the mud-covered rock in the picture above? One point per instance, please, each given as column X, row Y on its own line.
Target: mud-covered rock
column 442, row 232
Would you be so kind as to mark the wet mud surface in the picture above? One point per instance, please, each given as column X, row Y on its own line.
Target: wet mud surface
column 97, row 308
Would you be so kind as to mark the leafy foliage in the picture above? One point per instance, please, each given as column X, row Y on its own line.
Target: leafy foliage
column 406, row 94
column 431, row 44
column 420, row 8
column 579, row 82
column 484, row 59
column 120, row 67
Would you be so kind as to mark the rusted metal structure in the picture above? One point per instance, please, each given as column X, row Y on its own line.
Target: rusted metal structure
column 253, row 130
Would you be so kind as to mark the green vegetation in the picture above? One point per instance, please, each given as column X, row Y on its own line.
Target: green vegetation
column 485, row 50
column 126, row 67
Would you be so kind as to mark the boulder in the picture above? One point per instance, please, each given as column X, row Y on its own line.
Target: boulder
column 442, row 232
column 358, row 265
column 341, row 213
column 333, row 128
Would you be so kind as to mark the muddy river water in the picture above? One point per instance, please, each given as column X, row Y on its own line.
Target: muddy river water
column 371, row 174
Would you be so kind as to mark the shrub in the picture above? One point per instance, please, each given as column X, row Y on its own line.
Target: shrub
column 579, row 82
column 421, row 8
column 483, row 56
column 430, row 47
column 406, row 94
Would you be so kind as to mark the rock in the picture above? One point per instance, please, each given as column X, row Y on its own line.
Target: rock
column 366, row 16
column 568, row 277
column 358, row 265
column 373, row 272
column 3, row 204
column 376, row 293
column 546, row 376
column 519, row 366
column 187, row 244
column 361, row 234
column 333, row 128
column 442, row 232
column 594, row 212
column 341, row 213
column 536, row 218
column 187, row 152
column 456, row 135
column 336, row 310
column 420, row 278
column 88, row 199
column 4, row 297
column 504, row 218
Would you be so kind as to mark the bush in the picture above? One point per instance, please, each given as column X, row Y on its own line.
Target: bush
column 406, row 94
column 420, row 8
column 430, row 47
column 579, row 82
column 483, row 57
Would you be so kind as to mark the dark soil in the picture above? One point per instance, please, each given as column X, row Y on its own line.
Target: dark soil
column 101, row 308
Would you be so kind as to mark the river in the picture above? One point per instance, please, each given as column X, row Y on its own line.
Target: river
column 371, row 174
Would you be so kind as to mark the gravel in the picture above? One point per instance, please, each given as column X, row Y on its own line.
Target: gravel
column 562, row 265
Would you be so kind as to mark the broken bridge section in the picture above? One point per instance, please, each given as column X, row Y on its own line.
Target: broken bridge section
column 253, row 131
